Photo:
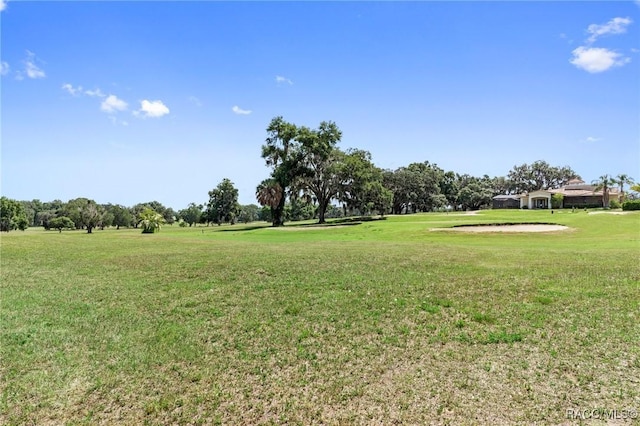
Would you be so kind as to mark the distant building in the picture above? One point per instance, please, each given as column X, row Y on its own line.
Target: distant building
column 575, row 193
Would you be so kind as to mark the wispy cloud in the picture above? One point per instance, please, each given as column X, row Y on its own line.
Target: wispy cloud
column 152, row 109
column 597, row 59
column 96, row 93
column 614, row 26
column 236, row 109
column 283, row 80
column 592, row 139
column 73, row 91
column 31, row 69
column 113, row 104
column 4, row 68
column 78, row 91
column 194, row 100
column 3, row 5
column 563, row 36
column 116, row 122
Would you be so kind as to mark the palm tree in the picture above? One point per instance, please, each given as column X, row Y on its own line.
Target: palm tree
column 604, row 183
column 269, row 193
column 623, row 180
column 150, row 221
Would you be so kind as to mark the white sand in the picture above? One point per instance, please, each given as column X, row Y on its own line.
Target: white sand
column 608, row 212
column 506, row 228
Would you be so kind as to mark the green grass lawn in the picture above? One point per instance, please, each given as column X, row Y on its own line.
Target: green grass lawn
column 380, row 322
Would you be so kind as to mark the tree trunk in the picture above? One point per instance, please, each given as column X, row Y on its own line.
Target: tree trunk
column 89, row 229
column 278, row 213
column 322, row 208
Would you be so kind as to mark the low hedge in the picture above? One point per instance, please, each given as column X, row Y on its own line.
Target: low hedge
column 631, row 205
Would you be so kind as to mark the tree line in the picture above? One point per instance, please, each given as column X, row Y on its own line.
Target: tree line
column 310, row 177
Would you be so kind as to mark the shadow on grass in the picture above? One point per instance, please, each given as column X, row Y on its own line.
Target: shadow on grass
column 347, row 221
column 246, row 228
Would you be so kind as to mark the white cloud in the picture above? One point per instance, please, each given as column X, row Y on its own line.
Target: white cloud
column 597, row 59
column 97, row 93
column 73, row 91
column 4, row 68
column 614, row 26
column 592, row 139
column 30, row 67
column 236, row 109
column 152, row 109
column 113, row 104
column 281, row 80
column 3, row 5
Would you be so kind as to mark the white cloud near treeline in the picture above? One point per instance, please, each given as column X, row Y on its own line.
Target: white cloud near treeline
column 152, row 109
column 597, row 59
column 237, row 110
column 614, row 26
column 113, row 104
column 3, row 5
column 4, row 68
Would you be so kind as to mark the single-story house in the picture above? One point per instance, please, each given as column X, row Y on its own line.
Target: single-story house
column 540, row 199
column 575, row 193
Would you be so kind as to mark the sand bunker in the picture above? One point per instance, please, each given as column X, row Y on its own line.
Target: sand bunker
column 608, row 212
column 530, row 227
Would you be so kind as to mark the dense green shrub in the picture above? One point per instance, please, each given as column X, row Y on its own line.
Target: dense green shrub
column 556, row 201
column 614, row 204
column 60, row 223
column 631, row 205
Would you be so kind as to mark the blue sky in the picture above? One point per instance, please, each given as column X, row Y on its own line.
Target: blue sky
column 127, row 102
